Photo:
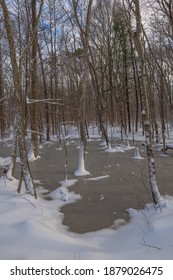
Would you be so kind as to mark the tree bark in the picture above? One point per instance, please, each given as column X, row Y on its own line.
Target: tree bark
column 47, row 115
column 20, row 118
column 34, row 78
column 157, row 199
column 84, row 35
column 2, row 104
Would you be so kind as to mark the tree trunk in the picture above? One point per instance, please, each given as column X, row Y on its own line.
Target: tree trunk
column 157, row 199
column 20, row 120
column 46, row 96
column 84, row 36
column 126, row 89
column 11, row 169
column 34, row 85
column 2, row 104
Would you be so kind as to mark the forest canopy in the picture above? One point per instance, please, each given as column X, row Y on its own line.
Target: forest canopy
column 53, row 62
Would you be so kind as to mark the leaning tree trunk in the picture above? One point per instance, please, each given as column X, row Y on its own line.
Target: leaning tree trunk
column 20, row 117
column 157, row 199
column 24, row 164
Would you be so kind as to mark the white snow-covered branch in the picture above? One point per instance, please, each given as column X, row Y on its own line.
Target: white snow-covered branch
column 49, row 101
column 34, row 131
column 2, row 98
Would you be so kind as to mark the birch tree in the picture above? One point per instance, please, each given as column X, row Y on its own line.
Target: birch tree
column 19, row 111
column 157, row 199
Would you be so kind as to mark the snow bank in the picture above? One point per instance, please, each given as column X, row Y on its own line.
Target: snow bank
column 32, row 229
column 5, row 161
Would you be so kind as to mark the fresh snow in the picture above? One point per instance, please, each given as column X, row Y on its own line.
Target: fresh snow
column 31, row 156
column 114, row 150
column 68, row 183
column 32, row 229
column 81, row 171
column 5, row 161
column 137, row 154
column 170, row 146
column 63, row 194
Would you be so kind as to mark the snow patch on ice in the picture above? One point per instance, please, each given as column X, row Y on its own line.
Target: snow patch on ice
column 68, row 183
column 63, row 194
column 128, row 148
column 97, row 178
column 163, row 155
column 114, row 150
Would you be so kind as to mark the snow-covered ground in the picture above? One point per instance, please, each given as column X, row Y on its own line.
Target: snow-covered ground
column 32, row 229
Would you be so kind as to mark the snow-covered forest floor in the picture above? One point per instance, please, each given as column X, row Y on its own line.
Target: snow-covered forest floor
column 33, row 229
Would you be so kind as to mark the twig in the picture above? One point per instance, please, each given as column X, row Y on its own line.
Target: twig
column 4, row 180
column 147, row 221
column 142, row 229
column 149, row 246
column 3, row 98
column 29, row 202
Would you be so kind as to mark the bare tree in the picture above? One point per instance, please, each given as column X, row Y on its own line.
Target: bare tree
column 84, row 29
column 34, row 79
column 2, row 94
column 17, row 81
column 157, row 199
